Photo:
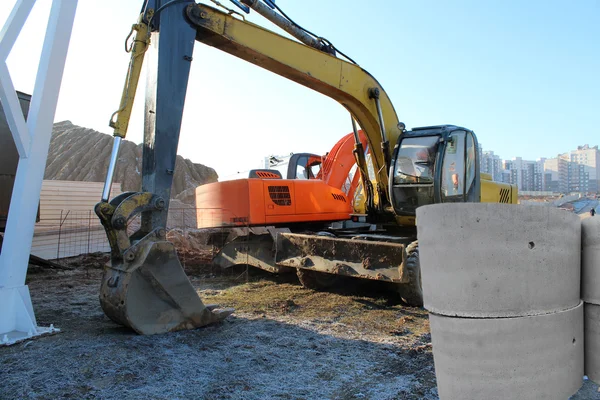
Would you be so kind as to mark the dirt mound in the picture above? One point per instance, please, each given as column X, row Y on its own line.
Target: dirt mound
column 191, row 247
column 82, row 154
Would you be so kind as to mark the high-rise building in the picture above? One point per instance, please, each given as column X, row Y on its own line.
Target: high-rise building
column 491, row 164
column 575, row 171
column 578, row 178
column 588, row 176
column 556, row 175
column 509, row 174
column 527, row 175
column 538, row 174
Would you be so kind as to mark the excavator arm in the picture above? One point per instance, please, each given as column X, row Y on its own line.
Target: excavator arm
column 144, row 286
column 347, row 83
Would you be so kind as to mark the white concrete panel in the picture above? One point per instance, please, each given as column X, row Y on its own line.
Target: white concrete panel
column 592, row 342
column 590, row 260
column 498, row 260
column 534, row 357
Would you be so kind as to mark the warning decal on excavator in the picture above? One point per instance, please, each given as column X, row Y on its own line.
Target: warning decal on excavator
column 504, row 195
column 338, row 197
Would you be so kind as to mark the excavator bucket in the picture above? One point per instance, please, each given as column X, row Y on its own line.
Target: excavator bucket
column 153, row 294
column 144, row 286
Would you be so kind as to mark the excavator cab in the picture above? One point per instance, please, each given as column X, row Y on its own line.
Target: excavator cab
column 305, row 166
column 437, row 164
column 297, row 166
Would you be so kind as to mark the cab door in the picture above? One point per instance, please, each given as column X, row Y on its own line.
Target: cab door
column 304, row 166
column 460, row 170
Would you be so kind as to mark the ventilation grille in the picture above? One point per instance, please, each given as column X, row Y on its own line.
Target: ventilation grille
column 264, row 174
column 338, row 197
column 280, row 195
column 267, row 175
column 504, row 195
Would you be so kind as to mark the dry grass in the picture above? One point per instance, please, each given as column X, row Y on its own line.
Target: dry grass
column 366, row 313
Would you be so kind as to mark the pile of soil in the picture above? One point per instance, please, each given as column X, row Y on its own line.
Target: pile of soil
column 82, row 154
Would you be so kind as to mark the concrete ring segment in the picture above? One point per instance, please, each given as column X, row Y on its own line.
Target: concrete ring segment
column 498, row 260
column 533, row 357
column 590, row 260
column 592, row 341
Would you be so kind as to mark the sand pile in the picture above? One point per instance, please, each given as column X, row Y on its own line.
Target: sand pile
column 82, row 154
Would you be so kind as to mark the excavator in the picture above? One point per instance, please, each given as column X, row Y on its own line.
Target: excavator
column 232, row 203
column 332, row 177
column 144, row 286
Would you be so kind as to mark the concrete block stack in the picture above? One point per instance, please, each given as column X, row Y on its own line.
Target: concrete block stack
column 590, row 293
column 502, row 284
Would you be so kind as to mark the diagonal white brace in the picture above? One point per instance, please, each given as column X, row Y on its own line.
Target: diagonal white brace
column 14, row 116
column 11, row 29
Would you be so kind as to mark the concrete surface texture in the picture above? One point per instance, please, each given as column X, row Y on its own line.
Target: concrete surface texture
column 590, row 260
column 592, row 342
column 498, row 260
column 532, row 357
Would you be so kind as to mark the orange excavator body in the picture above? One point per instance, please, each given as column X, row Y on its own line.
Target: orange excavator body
column 267, row 201
column 254, row 202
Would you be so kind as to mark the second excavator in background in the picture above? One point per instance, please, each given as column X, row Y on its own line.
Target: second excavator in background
column 330, row 185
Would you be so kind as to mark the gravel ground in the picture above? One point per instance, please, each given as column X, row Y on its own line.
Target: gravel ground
column 283, row 342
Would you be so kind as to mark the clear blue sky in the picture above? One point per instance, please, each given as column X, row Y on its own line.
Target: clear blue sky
column 524, row 75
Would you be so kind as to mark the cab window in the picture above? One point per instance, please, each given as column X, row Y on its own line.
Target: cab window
column 308, row 167
column 415, row 161
column 301, row 171
column 453, row 168
column 314, row 167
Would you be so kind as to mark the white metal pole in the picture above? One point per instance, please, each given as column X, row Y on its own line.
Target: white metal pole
column 30, row 173
column 16, row 314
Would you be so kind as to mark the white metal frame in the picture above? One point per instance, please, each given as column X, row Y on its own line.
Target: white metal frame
column 32, row 139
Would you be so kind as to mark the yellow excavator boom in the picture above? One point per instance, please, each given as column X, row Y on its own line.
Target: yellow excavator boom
column 347, row 83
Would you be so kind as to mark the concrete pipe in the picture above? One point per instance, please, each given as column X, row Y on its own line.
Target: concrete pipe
column 498, row 260
column 532, row 357
column 592, row 342
column 590, row 260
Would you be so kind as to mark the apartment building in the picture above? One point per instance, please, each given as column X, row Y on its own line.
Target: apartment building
column 527, row 175
column 556, row 175
column 586, row 174
column 491, row 164
column 575, row 171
